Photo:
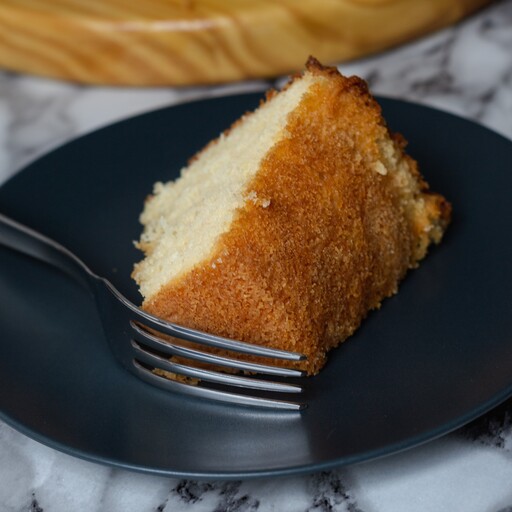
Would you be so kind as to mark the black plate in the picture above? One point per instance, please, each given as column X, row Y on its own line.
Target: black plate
column 434, row 357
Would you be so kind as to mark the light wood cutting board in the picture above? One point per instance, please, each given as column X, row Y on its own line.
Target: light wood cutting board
column 183, row 42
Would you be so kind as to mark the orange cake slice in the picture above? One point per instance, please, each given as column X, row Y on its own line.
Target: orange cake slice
column 293, row 224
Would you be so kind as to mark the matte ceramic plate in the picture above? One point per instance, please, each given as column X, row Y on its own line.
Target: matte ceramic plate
column 434, row 357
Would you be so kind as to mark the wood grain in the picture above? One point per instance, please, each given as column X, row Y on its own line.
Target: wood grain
column 183, row 42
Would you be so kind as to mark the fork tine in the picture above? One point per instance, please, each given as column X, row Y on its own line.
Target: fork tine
column 169, row 348
column 211, row 376
column 185, row 333
column 214, row 394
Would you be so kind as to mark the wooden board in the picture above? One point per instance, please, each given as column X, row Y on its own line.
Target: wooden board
column 183, row 42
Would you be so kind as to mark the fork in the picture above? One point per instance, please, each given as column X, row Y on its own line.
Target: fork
column 134, row 337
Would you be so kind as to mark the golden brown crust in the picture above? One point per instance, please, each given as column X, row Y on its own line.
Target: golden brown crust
column 333, row 241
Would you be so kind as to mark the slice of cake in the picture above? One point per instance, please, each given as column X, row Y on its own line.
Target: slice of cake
column 293, row 224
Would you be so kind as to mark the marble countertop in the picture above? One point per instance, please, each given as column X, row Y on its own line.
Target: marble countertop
column 467, row 70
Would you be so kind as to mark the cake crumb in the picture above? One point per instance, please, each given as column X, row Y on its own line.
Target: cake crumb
column 380, row 168
column 253, row 197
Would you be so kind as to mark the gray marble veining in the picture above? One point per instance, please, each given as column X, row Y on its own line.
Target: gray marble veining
column 465, row 69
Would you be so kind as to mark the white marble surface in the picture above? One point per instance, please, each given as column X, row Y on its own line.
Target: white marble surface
column 467, row 70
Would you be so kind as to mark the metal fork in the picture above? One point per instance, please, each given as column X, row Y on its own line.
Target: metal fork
column 140, row 351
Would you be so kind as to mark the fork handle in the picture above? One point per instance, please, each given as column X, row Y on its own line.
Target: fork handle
column 25, row 240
